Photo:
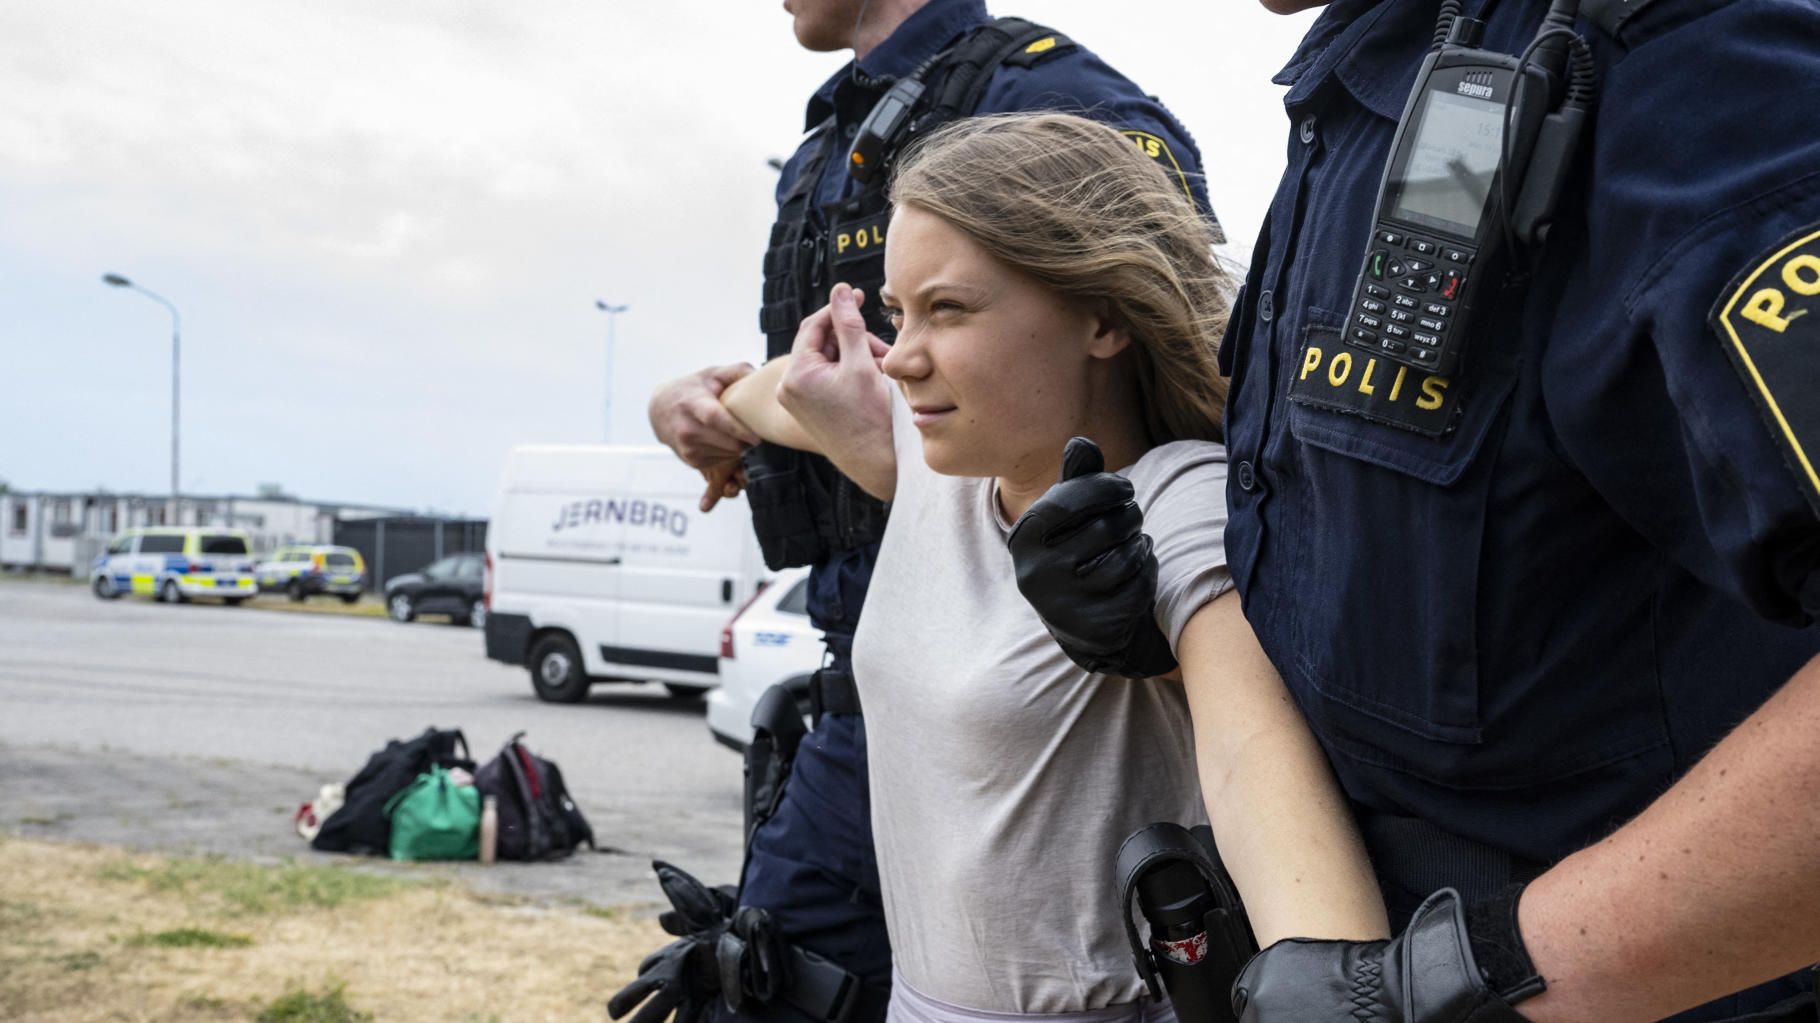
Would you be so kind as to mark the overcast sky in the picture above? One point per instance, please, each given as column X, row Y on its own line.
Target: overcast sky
column 386, row 224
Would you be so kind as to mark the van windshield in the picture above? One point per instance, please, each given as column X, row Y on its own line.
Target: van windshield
column 218, row 544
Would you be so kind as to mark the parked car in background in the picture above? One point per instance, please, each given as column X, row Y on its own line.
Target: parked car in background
column 302, row 572
column 602, row 570
column 453, row 586
column 176, row 564
column 768, row 642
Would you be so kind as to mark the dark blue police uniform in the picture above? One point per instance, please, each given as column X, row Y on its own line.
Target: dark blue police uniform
column 811, row 864
column 1513, row 636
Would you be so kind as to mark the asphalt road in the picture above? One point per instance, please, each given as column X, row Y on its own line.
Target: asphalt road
column 199, row 728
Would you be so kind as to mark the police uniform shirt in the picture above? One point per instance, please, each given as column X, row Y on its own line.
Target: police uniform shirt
column 1525, row 629
column 1073, row 79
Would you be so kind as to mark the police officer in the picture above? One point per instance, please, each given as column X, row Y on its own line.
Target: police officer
column 810, row 867
column 1559, row 644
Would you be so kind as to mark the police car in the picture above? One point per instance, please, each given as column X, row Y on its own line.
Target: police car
column 304, row 571
column 175, row 564
column 769, row 642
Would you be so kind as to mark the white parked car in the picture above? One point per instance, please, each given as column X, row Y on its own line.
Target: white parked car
column 768, row 642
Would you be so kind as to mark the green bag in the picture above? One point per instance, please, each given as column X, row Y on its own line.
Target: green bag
column 435, row 819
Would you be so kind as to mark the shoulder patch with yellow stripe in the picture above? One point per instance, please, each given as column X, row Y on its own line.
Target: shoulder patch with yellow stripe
column 1768, row 318
column 1048, row 45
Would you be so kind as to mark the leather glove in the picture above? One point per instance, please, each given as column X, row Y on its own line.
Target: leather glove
column 682, row 977
column 1427, row 974
column 1084, row 563
column 694, row 906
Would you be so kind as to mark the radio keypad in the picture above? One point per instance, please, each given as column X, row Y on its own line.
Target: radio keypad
column 1405, row 306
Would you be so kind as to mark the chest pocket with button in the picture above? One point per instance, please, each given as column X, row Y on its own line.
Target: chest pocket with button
column 1388, row 527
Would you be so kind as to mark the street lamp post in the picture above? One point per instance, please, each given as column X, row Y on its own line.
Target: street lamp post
column 612, row 312
column 115, row 280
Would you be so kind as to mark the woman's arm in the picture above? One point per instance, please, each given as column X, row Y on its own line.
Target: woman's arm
column 828, row 397
column 1281, row 825
column 753, row 401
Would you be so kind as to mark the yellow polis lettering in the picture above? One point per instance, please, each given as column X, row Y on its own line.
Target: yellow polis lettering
column 1434, row 392
column 1798, row 283
column 1310, row 359
column 1396, row 386
column 1371, row 366
column 1800, row 275
column 1765, row 310
column 841, row 241
column 1339, row 369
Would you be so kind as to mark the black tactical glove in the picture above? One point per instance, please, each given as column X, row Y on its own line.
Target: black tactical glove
column 683, row 976
column 1084, row 563
column 1427, row 974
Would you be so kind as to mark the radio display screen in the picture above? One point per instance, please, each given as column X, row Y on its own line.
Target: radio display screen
column 1451, row 163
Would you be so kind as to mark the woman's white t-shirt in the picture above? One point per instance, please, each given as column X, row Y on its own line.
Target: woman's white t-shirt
column 1003, row 776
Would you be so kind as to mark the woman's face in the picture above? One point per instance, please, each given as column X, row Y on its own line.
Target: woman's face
column 996, row 368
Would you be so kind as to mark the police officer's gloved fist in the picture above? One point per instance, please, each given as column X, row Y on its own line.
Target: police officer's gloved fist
column 694, row 907
column 1084, row 563
column 1427, row 974
column 682, row 978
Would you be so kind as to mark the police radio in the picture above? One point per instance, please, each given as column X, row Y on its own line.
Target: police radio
column 1478, row 163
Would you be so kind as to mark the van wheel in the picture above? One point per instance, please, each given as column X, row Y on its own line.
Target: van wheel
column 477, row 614
column 105, row 589
column 556, row 671
column 686, row 692
column 399, row 606
column 171, row 594
column 294, row 590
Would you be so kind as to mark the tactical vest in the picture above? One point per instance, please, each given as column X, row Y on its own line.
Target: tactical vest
column 802, row 507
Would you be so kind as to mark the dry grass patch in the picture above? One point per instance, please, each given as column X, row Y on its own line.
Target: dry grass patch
column 96, row 934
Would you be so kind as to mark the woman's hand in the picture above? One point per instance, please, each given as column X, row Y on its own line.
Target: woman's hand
column 838, row 394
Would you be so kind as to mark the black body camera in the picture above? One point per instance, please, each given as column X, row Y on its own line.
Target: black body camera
column 1466, row 185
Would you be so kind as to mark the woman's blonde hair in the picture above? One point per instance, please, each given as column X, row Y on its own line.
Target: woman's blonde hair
column 1076, row 206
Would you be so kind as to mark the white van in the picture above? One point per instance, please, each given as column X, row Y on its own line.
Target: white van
column 600, row 568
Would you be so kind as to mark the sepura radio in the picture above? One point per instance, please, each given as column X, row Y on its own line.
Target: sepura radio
column 1474, row 173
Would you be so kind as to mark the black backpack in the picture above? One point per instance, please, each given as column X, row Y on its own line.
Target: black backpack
column 537, row 819
column 361, row 825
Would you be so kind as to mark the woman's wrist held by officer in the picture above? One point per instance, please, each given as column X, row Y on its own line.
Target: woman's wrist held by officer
column 868, row 459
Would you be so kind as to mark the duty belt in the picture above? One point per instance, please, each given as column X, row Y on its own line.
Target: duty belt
column 831, row 691
column 1415, row 858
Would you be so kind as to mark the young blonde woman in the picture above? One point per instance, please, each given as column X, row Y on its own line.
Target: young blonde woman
column 1047, row 281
